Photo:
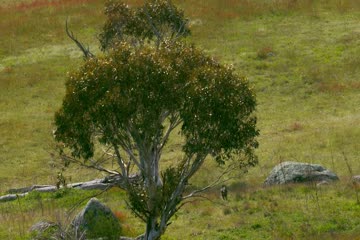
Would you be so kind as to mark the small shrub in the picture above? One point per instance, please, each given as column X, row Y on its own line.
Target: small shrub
column 207, row 212
column 60, row 193
column 7, row 70
column 120, row 216
column 256, row 226
column 296, row 126
column 315, row 74
column 227, row 211
column 265, row 52
column 331, row 87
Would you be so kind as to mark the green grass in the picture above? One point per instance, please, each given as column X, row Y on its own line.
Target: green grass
column 288, row 212
column 301, row 58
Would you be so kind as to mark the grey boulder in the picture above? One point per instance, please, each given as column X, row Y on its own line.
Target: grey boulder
column 296, row 172
column 96, row 221
column 45, row 230
column 356, row 179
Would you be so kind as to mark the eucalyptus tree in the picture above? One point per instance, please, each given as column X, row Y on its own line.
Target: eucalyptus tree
column 147, row 86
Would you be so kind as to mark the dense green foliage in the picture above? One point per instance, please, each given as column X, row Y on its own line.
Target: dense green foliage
column 133, row 90
column 133, row 25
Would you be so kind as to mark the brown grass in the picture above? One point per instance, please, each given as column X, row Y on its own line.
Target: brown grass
column 231, row 9
column 27, row 5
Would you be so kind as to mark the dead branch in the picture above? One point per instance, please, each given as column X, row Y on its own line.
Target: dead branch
column 86, row 51
column 219, row 180
column 94, row 166
column 154, row 29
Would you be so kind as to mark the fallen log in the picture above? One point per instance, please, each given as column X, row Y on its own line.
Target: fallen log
column 11, row 197
column 101, row 184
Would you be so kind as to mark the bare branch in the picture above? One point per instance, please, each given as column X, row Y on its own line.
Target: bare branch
column 71, row 210
column 196, row 165
column 180, row 31
column 127, row 148
column 154, row 29
column 170, row 208
column 132, row 157
column 86, row 51
column 195, row 200
column 135, row 212
column 125, row 143
column 96, row 167
column 219, row 180
column 174, row 122
column 119, row 160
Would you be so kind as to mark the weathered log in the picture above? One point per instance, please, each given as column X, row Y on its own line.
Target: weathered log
column 47, row 189
column 26, row 189
column 11, row 197
column 101, row 184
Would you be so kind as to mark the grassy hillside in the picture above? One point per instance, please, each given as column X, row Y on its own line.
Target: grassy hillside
column 302, row 58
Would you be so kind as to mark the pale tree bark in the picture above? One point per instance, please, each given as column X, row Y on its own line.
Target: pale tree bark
column 145, row 158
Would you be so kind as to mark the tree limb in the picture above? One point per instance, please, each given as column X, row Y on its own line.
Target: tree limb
column 119, row 160
column 86, row 51
column 154, row 29
column 96, row 167
column 216, row 182
column 174, row 122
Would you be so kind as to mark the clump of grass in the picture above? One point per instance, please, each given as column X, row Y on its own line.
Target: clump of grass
column 227, row 211
column 296, row 126
column 265, row 52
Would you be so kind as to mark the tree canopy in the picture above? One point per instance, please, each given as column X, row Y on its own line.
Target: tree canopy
column 155, row 20
column 129, row 101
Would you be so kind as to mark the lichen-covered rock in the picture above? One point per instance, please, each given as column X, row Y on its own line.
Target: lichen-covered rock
column 356, row 179
column 96, row 221
column 295, row 172
column 45, row 230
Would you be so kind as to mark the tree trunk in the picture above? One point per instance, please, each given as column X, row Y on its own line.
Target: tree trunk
column 152, row 233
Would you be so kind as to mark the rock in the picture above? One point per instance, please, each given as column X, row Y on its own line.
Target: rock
column 295, row 172
column 44, row 230
column 96, row 221
column 356, row 179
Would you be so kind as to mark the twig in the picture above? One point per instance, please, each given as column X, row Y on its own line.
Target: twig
column 71, row 210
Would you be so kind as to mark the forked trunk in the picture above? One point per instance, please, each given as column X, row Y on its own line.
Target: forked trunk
column 152, row 232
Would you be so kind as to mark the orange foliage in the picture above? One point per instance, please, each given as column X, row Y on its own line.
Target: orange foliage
column 120, row 215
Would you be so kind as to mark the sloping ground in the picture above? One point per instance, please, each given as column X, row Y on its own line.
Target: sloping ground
column 35, row 56
column 302, row 60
